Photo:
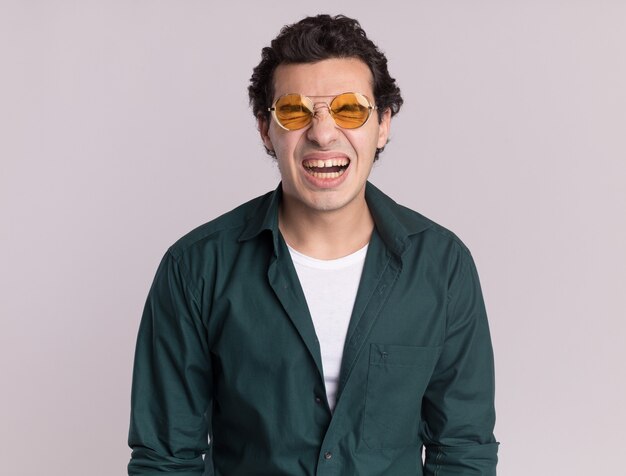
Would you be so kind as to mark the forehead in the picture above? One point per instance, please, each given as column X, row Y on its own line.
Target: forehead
column 324, row 78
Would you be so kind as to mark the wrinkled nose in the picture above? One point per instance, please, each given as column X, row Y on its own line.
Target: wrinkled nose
column 323, row 130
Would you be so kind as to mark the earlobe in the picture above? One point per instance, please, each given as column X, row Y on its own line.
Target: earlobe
column 264, row 127
column 383, row 128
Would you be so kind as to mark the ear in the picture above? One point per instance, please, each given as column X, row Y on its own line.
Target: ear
column 263, row 124
column 383, row 128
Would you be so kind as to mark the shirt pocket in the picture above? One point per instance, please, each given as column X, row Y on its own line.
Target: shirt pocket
column 397, row 378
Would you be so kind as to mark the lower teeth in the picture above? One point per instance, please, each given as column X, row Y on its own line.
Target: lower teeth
column 326, row 175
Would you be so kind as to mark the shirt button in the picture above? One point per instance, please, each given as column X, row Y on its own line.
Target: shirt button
column 328, row 455
column 318, row 400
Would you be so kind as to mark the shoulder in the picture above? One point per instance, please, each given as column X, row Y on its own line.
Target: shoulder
column 225, row 228
column 431, row 227
column 401, row 221
column 437, row 251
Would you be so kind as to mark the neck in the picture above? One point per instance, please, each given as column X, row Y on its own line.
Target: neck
column 325, row 234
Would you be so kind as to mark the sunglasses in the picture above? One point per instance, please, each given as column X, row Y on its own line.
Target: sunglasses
column 295, row 111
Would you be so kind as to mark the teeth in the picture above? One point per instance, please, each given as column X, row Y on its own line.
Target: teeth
column 319, row 163
column 326, row 174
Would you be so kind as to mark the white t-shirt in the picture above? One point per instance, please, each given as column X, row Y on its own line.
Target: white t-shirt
column 330, row 288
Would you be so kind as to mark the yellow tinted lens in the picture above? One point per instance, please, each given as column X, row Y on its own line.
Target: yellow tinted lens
column 350, row 110
column 293, row 112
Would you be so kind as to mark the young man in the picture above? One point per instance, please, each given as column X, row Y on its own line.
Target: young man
column 322, row 328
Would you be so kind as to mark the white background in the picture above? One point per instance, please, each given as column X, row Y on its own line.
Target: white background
column 124, row 124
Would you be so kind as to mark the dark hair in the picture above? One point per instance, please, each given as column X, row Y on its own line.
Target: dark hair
column 318, row 38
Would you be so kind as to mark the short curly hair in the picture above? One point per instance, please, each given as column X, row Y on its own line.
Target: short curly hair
column 318, row 38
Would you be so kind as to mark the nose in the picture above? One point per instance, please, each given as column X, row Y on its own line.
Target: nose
column 323, row 130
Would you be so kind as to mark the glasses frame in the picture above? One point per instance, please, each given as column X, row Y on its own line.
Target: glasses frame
column 370, row 108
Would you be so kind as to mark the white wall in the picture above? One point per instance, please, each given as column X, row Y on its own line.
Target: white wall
column 125, row 124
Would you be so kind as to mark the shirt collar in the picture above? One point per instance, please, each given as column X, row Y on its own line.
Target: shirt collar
column 394, row 223
column 264, row 217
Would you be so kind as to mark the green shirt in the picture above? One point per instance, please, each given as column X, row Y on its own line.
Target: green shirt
column 227, row 348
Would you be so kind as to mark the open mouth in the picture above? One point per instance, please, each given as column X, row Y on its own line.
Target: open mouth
column 326, row 169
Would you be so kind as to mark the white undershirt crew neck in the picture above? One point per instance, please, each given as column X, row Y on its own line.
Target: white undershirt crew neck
column 330, row 288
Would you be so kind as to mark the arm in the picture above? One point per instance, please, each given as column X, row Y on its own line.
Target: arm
column 171, row 390
column 458, row 407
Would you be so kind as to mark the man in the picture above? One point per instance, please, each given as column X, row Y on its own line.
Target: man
column 322, row 328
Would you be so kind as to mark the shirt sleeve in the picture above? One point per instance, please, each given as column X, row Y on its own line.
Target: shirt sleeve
column 171, row 389
column 458, row 406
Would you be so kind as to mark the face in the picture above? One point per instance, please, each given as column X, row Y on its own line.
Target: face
column 324, row 167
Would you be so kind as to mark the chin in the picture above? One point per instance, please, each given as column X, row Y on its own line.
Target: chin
column 330, row 204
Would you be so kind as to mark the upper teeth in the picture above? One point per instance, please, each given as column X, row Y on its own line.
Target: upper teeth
column 326, row 163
